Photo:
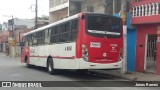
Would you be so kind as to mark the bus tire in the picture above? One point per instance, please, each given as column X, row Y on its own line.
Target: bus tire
column 27, row 62
column 50, row 67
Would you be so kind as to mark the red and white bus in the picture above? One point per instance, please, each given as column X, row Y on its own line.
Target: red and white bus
column 80, row 42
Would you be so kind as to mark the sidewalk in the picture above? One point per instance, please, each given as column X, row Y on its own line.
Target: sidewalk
column 136, row 76
column 9, row 57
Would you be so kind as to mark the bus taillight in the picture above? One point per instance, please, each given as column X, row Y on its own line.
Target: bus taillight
column 85, row 52
column 120, row 54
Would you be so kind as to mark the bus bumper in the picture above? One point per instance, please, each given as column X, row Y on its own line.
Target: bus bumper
column 90, row 65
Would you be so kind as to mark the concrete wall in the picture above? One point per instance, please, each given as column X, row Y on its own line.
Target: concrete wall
column 131, row 42
column 58, row 15
column 18, row 51
column 54, row 3
column 97, row 5
column 102, row 6
column 74, row 8
column 4, row 47
column 142, row 31
column 131, row 52
column 158, row 56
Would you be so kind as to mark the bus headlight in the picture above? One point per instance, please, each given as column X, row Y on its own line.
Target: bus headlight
column 84, row 52
column 120, row 55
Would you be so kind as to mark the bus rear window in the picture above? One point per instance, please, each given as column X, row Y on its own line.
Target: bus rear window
column 104, row 26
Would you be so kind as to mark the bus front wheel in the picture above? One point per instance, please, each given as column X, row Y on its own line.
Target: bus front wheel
column 27, row 63
column 50, row 67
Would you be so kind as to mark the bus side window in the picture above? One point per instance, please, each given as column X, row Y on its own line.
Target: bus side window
column 30, row 40
column 47, row 36
column 54, row 34
column 68, row 31
column 74, row 29
column 64, row 32
column 41, row 37
column 35, row 39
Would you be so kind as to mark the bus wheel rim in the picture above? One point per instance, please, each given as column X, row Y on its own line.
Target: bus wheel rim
column 50, row 67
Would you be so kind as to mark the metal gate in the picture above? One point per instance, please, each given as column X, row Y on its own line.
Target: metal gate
column 151, row 53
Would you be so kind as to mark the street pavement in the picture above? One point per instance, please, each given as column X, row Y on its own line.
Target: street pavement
column 11, row 69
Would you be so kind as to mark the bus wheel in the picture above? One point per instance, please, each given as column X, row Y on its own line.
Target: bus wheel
column 50, row 67
column 27, row 63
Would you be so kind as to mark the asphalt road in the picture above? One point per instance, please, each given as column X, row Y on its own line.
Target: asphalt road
column 13, row 70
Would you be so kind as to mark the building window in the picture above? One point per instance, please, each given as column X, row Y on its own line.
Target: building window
column 90, row 9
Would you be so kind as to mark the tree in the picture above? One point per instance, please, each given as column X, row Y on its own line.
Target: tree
column 0, row 26
column 43, row 17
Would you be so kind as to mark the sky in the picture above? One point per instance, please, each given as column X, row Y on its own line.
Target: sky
column 21, row 9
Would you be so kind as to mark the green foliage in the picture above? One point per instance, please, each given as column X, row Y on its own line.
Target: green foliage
column 43, row 17
column 0, row 26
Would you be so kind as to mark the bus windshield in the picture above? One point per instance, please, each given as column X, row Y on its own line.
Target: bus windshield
column 104, row 26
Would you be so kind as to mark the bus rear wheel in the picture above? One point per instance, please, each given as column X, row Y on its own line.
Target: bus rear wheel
column 50, row 67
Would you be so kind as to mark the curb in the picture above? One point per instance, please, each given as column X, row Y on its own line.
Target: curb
column 118, row 75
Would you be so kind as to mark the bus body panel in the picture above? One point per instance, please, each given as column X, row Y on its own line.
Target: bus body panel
column 69, row 55
column 98, row 46
column 91, row 65
column 110, row 47
column 60, row 53
column 24, row 54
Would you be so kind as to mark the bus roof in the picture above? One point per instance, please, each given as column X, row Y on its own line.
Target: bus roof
column 52, row 24
column 61, row 21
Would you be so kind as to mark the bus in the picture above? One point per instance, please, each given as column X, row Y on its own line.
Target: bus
column 85, row 41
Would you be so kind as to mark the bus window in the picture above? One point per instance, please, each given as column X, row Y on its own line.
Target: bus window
column 40, row 37
column 64, row 32
column 30, row 40
column 104, row 26
column 54, row 35
column 34, row 39
column 74, row 29
column 47, row 35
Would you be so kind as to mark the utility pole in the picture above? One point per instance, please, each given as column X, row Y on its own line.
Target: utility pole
column 124, row 19
column 114, row 6
column 12, row 24
column 36, row 15
column 12, row 27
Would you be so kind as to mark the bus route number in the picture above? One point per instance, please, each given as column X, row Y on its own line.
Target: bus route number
column 68, row 48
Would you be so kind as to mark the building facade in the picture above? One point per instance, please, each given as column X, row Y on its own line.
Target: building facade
column 60, row 9
column 17, row 27
column 145, row 17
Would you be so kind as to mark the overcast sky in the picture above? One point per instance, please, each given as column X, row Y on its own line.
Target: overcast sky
column 21, row 9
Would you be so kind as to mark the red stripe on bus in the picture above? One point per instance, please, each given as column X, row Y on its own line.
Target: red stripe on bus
column 55, row 57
